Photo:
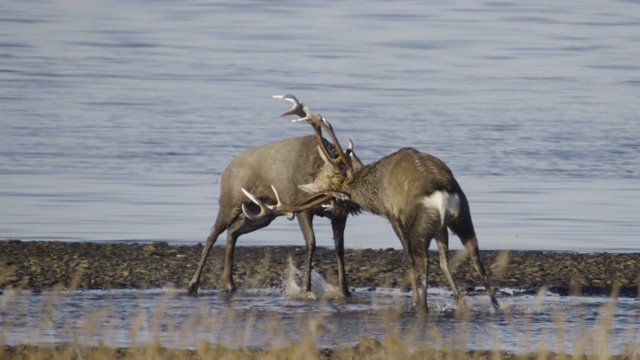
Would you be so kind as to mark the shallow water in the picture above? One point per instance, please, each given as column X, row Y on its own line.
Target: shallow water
column 281, row 316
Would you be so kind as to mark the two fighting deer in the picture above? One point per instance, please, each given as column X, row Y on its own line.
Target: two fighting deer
column 415, row 191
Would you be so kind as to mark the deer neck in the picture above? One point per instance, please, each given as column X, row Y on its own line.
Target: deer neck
column 364, row 189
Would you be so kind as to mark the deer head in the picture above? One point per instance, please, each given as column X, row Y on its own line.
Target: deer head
column 330, row 181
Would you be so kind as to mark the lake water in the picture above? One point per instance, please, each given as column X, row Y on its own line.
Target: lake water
column 117, row 118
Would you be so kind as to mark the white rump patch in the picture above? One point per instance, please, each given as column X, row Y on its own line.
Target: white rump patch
column 444, row 202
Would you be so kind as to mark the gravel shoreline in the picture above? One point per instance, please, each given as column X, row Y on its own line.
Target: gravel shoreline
column 39, row 265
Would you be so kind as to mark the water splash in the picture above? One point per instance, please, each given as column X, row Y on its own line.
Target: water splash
column 320, row 288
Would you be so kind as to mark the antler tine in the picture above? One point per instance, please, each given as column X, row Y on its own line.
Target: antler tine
column 326, row 122
column 296, row 109
column 290, row 214
column 318, row 123
column 279, row 203
column 264, row 208
column 326, row 125
column 281, row 208
column 330, row 206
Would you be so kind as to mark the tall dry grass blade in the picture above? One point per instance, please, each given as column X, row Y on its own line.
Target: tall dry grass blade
column 560, row 328
column 500, row 264
column 457, row 259
column 525, row 345
column 604, row 324
column 249, row 327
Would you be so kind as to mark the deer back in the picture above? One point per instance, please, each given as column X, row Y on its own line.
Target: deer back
column 284, row 164
column 400, row 181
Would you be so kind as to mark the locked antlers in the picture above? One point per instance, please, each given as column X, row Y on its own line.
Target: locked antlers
column 266, row 210
column 326, row 198
column 319, row 123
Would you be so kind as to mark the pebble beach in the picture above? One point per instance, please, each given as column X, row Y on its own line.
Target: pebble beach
column 39, row 265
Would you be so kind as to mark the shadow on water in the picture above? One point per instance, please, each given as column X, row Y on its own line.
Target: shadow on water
column 283, row 316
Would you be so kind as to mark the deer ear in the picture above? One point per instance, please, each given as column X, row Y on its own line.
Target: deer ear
column 311, row 188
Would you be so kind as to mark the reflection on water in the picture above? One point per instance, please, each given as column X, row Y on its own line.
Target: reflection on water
column 265, row 317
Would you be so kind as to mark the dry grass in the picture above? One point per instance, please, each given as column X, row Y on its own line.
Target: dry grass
column 283, row 345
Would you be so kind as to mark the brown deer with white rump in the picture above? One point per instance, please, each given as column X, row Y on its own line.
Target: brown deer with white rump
column 415, row 191
column 254, row 169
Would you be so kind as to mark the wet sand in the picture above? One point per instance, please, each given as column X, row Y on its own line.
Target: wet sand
column 39, row 265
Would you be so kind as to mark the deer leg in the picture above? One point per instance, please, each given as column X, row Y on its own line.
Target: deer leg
column 211, row 240
column 305, row 219
column 414, row 280
column 471, row 244
column 410, row 260
column 442, row 239
column 425, row 280
column 227, row 275
column 338, row 225
column 241, row 226
column 421, row 232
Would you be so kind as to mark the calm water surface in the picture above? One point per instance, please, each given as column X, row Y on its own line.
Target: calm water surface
column 117, row 119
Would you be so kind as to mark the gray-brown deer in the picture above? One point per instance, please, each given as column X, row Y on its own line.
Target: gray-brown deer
column 297, row 162
column 415, row 191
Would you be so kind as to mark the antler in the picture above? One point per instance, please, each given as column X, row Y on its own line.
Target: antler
column 289, row 210
column 318, row 123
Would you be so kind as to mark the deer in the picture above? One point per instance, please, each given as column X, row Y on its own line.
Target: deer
column 414, row 190
column 254, row 169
